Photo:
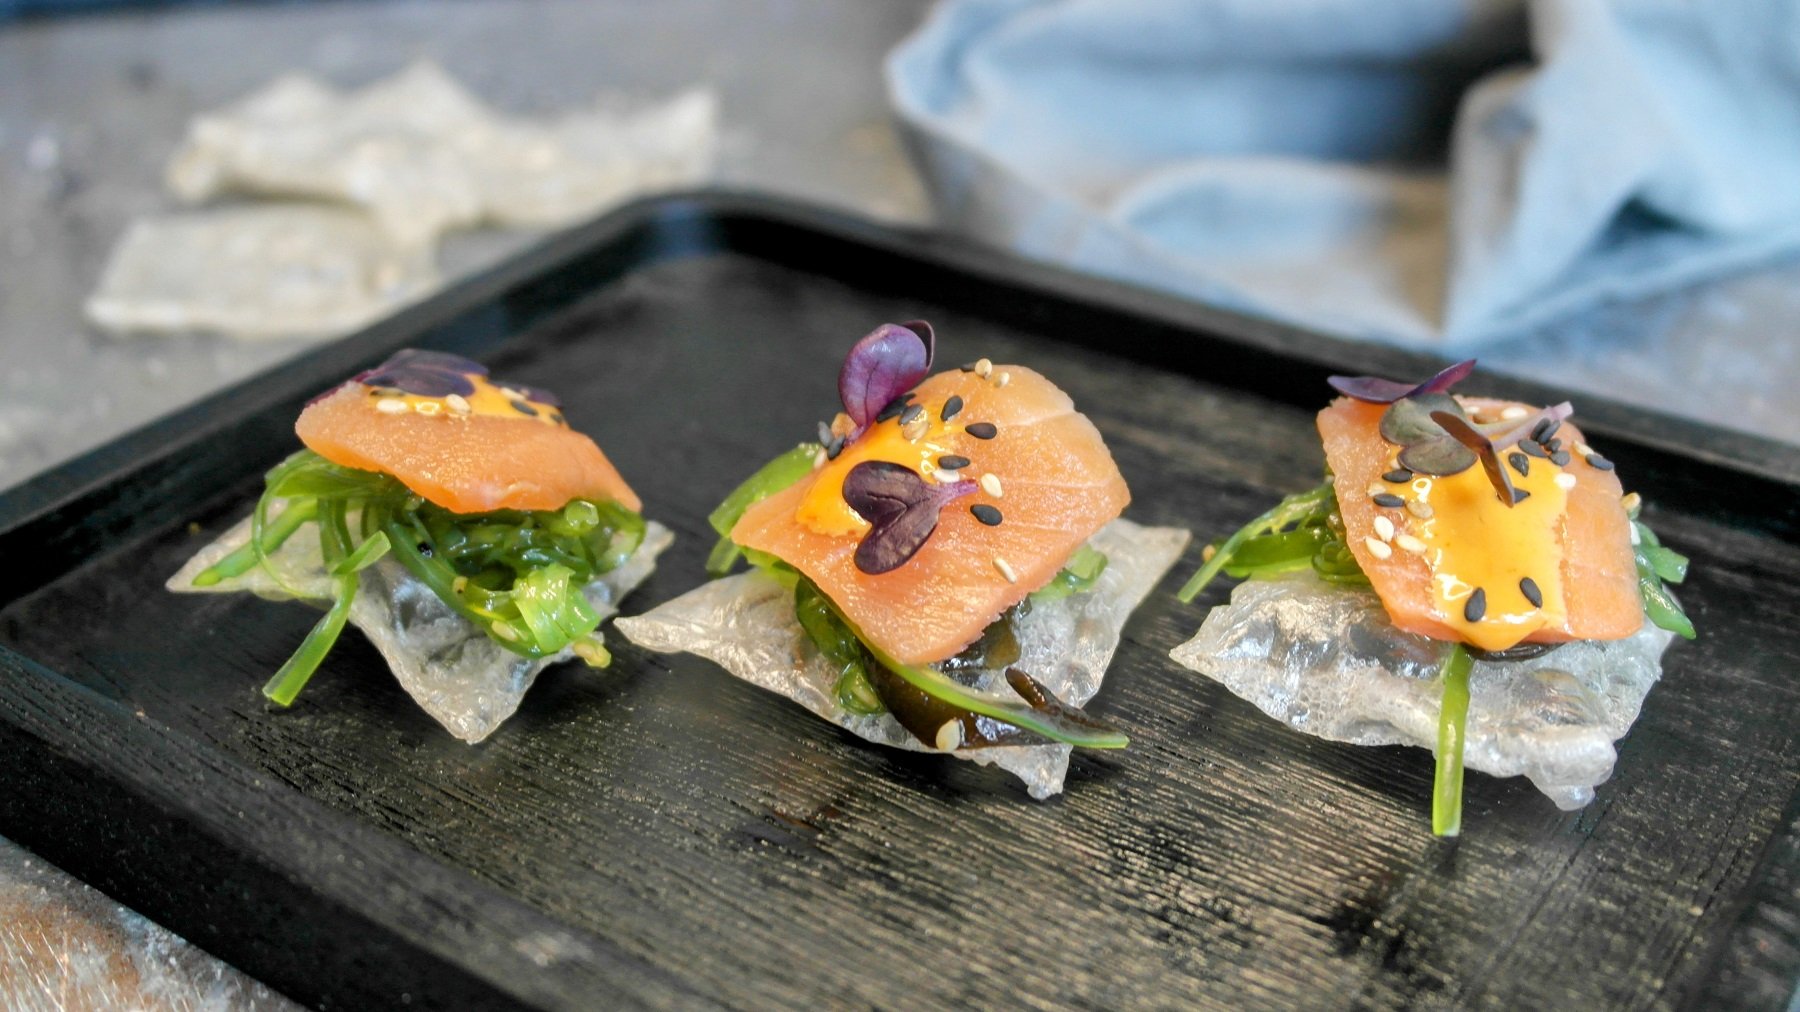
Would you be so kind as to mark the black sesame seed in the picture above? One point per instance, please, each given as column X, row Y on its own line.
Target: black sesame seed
column 1560, row 458
column 913, row 413
column 1553, row 445
column 967, row 367
column 1520, row 463
column 523, row 408
column 986, row 514
column 833, row 448
column 894, row 407
column 1389, row 500
column 1520, row 495
column 1529, row 588
column 951, row 407
column 1398, row 476
column 1601, row 463
column 824, row 434
column 557, row 417
column 1476, row 606
column 983, row 430
column 952, row 462
column 1532, row 449
column 1550, row 429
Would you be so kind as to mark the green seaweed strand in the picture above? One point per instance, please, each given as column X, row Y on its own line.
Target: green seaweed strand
column 1453, row 718
column 1313, row 506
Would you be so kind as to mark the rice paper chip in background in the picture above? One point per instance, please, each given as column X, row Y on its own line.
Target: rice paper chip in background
column 459, row 675
column 257, row 273
column 746, row 624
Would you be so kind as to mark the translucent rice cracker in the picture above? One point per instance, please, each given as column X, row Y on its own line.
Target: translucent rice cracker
column 1326, row 661
column 423, row 156
column 285, row 270
column 465, row 680
column 746, row 624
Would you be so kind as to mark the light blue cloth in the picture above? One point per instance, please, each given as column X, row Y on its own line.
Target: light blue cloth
column 1422, row 171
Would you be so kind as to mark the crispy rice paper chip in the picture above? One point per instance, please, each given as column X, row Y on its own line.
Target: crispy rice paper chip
column 466, row 681
column 1326, row 661
column 746, row 624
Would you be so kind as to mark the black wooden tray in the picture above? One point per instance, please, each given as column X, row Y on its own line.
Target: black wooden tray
column 661, row 834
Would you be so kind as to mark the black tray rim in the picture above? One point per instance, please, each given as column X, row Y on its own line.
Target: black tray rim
column 31, row 695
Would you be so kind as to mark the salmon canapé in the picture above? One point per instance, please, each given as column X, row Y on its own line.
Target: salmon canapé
column 440, row 427
column 1024, row 481
column 1451, row 560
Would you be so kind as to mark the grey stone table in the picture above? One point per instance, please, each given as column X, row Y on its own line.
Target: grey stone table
column 91, row 107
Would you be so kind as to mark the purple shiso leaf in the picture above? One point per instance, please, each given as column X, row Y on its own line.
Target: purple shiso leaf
column 1508, row 436
column 1466, row 434
column 901, row 508
column 891, row 360
column 1376, row 390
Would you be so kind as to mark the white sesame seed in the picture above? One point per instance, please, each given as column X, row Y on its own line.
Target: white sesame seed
column 948, row 476
column 1006, row 569
column 1003, row 379
column 1376, row 488
column 819, row 458
column 1411, row 544
column 1636, row 538
column 1377, row 547
column 428, row 407
column 1565, row 480
column 458, row 403
column 391, row 406
column 1515, row 412
column 1584, row 449
column 990, row 483
column 1384, row 528
column 1631, row 501
column 915, row 429
column 950, row 736
column 1419, row 508
column 984, row 368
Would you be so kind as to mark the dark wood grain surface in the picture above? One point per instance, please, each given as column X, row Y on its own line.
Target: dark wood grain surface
column 684, row 837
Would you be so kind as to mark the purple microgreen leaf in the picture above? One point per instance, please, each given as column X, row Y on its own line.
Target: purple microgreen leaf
column 901, row 508
column 1466, row 434
column 425, row 373
column 1447, row 378
column 886, row 363
column 1376, row 390
column 1439, row 456
column 538, row 394
column 1408, row 420
column 1512, row 433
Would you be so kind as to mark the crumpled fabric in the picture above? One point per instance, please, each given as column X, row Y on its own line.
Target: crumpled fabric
column 453, row 670
column 746, row 624
column 1440, row 172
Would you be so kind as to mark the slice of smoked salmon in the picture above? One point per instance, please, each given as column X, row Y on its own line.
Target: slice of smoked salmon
column 478, row 454
column 1056, row 485
column 1578, row 535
